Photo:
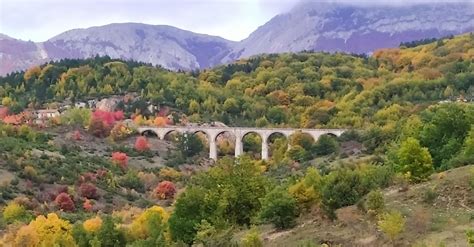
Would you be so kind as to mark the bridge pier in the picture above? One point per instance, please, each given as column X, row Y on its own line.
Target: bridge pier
column 264, row 148
column 239, row 147
column 212, row 149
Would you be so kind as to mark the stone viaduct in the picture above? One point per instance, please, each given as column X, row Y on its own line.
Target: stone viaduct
column 238, row 132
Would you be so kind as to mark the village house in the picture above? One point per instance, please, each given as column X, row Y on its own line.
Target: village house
column 47, row 113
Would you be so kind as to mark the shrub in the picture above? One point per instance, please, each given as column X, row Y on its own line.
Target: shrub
column 88, row 191
column 252, row 238
column 430, row 195
column 165, row 190
column 132, row 181
column 98, row 128
column 15, row 212
column 120, row 159
column 92, row 225
column 141, row 144
column 298, row 153
column 375, row 201
column 279, row 208
column 120, row 131
column 341, row 188
column 391, row 224
column 64, row 202
column 470, row 237
column 208, row 235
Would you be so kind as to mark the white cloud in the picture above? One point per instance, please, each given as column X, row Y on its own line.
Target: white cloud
column 39, row 20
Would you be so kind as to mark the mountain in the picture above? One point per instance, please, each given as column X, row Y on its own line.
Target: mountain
column 167, row 46
column 350, row 28
column 308, row 26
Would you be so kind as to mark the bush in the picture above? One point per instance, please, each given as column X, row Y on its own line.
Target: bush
column 341, row 188
column 470, row 237
column 391, row 224
column 15, row 212
column 64, row 202
column 252, row 238
column 165, row 190
column 88, row 191
column 120, row 159
column 430, row 195
column 279, row 208
column 298, row 153
column 131, row 180
column 141, row 144
column 375, row 201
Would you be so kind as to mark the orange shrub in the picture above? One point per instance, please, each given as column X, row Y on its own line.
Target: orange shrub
column 120, row 159
column 165, row 190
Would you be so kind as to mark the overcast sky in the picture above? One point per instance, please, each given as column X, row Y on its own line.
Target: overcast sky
column 39, row 20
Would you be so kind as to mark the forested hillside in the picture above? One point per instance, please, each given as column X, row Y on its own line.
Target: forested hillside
column 300, row 90
column 85, row 178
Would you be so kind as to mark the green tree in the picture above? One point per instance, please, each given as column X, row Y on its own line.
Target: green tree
column 414, row 160
column 279, row 208
column 444, row 130
column 109, row 235
column 325, row 145
column 189, row 144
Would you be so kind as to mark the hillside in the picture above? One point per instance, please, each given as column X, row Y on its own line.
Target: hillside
column 437, row 212
column 314, row 26
column 74, row 170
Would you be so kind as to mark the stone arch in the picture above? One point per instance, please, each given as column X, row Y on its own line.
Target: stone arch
column 304, row 142
column 169, row 131
column 149, row 133
column 272, row 143
column 225, row 145
column 206, row 135
column 255, row 149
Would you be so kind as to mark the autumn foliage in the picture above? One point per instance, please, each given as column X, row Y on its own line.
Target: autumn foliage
column 165, row 190
column 88, row 191
column 64, row 202
column 141, row 144
column 102, row 122
column 120, row 159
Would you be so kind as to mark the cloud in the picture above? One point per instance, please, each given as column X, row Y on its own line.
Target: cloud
column 39, row 20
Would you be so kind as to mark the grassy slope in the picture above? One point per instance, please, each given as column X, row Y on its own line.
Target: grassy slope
column 428, row 223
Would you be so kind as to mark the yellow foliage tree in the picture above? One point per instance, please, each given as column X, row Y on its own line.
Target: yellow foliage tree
column 139, row 227
column 27, row 237
column 52, row 231
column 92, row 225
column 13, row 211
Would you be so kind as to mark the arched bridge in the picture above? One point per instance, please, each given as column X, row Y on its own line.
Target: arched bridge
column 238, row 132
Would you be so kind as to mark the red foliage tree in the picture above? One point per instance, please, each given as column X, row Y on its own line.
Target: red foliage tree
column 165, row 190
column 141, row 144
column 108, row 118
column 88, row 191
column 64, row 202
column 121, row 159
column 87, row 205
column 99, row 128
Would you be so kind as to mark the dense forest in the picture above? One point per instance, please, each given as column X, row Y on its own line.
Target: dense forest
column 77, row 182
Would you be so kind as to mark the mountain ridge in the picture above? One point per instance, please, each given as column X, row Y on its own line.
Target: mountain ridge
column 327, row 27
